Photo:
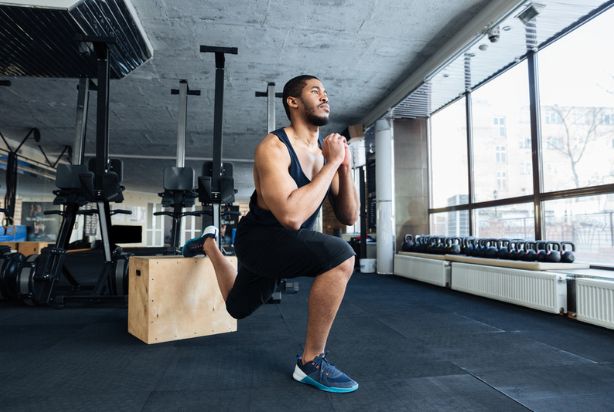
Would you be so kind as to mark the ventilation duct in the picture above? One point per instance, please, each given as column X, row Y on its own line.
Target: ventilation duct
column 44, row 38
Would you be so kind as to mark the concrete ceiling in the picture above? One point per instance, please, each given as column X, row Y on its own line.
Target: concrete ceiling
column 361, row 50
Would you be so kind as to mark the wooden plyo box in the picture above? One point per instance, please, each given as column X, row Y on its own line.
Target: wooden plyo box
column 31, row 248
column 12, row 245
column 172, row 298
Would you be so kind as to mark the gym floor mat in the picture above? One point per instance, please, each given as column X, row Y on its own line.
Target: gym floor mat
column 410, row 345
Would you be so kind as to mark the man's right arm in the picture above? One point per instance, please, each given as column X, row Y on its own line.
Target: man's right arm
column 290, row 205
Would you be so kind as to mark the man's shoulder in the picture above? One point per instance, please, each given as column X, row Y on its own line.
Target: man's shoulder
column 270, row 142
column 271, row 146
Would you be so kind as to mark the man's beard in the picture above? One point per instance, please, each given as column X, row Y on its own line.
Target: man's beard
column 316, row 120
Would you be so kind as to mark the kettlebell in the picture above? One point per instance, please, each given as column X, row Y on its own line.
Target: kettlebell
column 567, row 256
column 530, row 254
column 542, row 251
column 554, row 252
column 455, row 245
column 408, row 243
column 504, row 248
column 469, row 246
column 434, row 245
column 491, row 251
column 518, row 251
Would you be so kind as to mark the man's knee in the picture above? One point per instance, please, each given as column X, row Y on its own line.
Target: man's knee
column 237, row 312
column 347, row 267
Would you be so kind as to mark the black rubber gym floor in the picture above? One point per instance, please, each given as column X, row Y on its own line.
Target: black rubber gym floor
column 411, row 346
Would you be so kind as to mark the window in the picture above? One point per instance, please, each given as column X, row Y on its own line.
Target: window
column 525, row 143
column 154, row 234
column 450, row 223
column 588, row 222
column 501, row 184
column 499, row 123
column 512, row 222
column 506, row 99
column 448, row 144
column 526, row 168
column 191, row 226
column 501, row 154
column 576, row 84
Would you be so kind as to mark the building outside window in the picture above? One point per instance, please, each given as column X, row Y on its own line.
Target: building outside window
column 448, row 141
column 576, row 93
column 491, row 153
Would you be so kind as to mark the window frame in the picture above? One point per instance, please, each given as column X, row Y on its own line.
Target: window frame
column 539, row 195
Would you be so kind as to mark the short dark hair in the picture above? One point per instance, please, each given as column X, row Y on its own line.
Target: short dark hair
column 293, row 88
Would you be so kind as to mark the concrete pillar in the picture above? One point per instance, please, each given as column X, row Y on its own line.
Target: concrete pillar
column 384, row 194
column 411, row 177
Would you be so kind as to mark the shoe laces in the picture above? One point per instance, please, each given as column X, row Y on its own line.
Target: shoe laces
column 325, row 366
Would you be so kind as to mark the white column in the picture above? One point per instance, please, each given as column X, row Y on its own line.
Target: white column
column 384, row 193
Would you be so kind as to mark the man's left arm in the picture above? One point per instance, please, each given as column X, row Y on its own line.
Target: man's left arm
column 343, row 195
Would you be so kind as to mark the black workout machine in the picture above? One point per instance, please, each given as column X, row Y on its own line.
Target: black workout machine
column 71, row 43
column 216, row 185
column 179, row 180
column 78, row 184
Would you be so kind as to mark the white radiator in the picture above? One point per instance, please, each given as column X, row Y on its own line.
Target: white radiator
column 436, row 272
column 595, row 301
column 540, row 290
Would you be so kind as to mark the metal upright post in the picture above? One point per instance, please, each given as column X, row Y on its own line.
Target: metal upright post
column 270, row 100
column 363, row 212
column 218, row 118
column 83, row 99
column 102, row 143
column 182, row 122
column 102, row 113
column 534, row 108
column 470, row 181
column 270, row 97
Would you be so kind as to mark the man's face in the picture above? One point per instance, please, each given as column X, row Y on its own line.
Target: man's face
column 315, row 103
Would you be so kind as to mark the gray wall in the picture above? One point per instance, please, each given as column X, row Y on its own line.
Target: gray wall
column 411, row 177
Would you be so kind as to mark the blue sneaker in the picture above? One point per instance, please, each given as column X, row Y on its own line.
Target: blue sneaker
column 194, row 247
column 323, row 375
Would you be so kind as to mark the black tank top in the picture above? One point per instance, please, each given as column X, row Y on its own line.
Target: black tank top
column 259, row 216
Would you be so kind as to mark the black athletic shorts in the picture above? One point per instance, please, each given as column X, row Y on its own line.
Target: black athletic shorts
column 268, row 253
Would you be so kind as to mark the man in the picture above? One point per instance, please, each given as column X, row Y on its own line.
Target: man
column 293, row 171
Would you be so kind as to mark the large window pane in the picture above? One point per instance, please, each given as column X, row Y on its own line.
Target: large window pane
column 449, row 175
column 512, row 222
column 502, row 136
column 576, row 76
column 450, row 223
column 588, row 222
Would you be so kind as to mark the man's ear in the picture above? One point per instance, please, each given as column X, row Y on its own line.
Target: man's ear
column 292, row 102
